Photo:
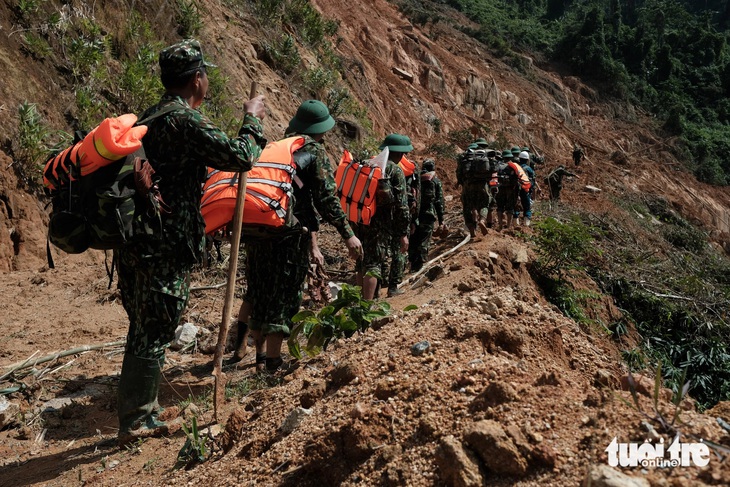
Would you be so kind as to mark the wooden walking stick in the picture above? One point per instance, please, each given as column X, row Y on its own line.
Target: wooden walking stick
column 220, row 348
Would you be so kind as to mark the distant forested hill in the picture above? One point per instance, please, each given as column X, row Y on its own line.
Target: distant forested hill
column 668, row 56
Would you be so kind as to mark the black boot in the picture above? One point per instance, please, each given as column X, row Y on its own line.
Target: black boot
column 137, row 405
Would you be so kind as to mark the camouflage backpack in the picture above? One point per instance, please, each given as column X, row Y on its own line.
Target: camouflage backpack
column 108, row 207
column 476, row 165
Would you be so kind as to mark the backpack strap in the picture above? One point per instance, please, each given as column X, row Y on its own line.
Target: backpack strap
column 367, row 185
column 352, row 188
column 49, row 256
column 162, row 111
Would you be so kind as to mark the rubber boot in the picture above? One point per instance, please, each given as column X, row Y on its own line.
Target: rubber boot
column 137, row 405
column 500, row 221
column 509, row 221
column 394, row 291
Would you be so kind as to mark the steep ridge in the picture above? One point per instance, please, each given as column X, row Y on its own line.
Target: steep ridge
column 510, row 393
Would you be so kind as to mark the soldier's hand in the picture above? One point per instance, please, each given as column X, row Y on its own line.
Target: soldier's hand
column 404, row 244
column 354, row 247
column 317, row 256
column 256, row 107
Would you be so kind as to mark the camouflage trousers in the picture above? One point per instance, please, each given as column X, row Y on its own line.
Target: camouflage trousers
column 507, row 199
column 475, row 196
column 154, row 293
column 275, row 274
column 380, row 249
column 397, row 263
column 419, row 244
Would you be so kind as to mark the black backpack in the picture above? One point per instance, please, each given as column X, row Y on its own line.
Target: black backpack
column 107, row 208
column 506, row 175
column 476, row 165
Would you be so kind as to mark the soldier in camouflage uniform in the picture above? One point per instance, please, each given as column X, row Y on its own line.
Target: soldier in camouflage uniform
column 389, row 226
column 398, row 146
column 276, row 269
column 432, row 210
column 475, row 195
column 555, row 181
column 154, row 273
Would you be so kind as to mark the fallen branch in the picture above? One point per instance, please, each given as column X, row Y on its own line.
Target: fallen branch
column 433, row 261
column 30, row 362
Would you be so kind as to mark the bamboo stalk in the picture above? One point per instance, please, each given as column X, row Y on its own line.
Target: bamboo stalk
column 436, row 259
column 30, row 362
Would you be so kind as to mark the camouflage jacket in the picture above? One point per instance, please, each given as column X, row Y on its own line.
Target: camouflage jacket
column 179, row 146
column 432, row 209
column 556, row 176
column 394, row 219
column 318, row 189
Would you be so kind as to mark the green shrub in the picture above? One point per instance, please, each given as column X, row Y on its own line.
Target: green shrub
column 32, row 144
column 217, row 106
column 138, row 88
column 282, row 54
column 36, row 46
column 317, row 80
column 188, row 18
column 561, row 246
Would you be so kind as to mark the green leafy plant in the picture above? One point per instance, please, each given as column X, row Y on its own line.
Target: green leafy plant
column 282, row 54
column 347, row 314
column 32, row 143
column 217, row 105
column 36, row 46
column 316, row 80
column 188, row 18
column 561, row 246
column 195, row 450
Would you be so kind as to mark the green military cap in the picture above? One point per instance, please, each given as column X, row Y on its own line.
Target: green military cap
column 397, row 143
column 312, row 117
column 182, row 58
column 507, row 154
column 526, row 149
column 481, row 143
column 515, row 150
column 429, row 165
column 472, row 147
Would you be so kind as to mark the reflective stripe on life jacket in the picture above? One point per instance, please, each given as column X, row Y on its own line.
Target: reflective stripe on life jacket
column 268, row 189
column 357, row 185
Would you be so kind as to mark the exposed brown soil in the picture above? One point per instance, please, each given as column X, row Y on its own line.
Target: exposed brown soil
column 380, row 415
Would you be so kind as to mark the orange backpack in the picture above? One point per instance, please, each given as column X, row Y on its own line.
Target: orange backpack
column 357, row 185
column 268, row 209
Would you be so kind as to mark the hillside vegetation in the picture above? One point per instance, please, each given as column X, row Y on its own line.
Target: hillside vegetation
column 670, row 57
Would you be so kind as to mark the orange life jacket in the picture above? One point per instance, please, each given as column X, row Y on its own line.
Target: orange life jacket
column 407, row 166
column 268, row 190
column 58, row 170
column 521, row 176
column 357, row 185
column 113, row 139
